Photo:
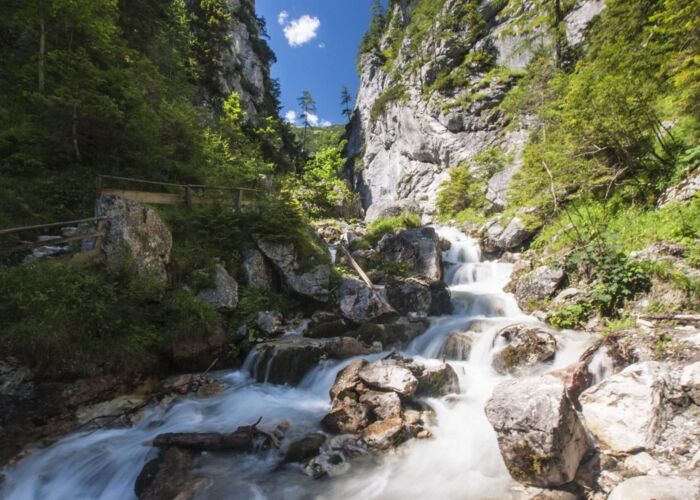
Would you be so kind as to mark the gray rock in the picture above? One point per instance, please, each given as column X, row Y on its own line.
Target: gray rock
column 312, row 283
column 135, row 235
column 690, row 381
column 387, row 375
column 525, row 346
column 435, row 380
column 286, row 360
column 539, row 433
column 683, row 191
column 360, row 304
column 384, row 405
column 457, row 346
column 269, row 322
column 384, row 434
column 326, row 324
column 417, row 249
column 625, row 412
column 538, row 284
column 225, row 296
column 415, row 296
column 256, row 272
column 305, row 448
column 656, row 488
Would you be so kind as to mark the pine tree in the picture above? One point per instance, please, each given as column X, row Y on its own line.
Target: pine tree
column 308, row 107
column 345, row 101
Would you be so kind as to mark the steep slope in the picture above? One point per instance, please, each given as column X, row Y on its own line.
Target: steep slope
column 431, row 82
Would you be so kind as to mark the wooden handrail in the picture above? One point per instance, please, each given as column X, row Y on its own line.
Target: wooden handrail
column 46, row 226
column 171, row 184
column 48, row 243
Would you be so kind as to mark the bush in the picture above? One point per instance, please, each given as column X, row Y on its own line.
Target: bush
column 380, row 227
column 571, row 316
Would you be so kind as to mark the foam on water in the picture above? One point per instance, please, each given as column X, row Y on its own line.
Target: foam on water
column 461, row 461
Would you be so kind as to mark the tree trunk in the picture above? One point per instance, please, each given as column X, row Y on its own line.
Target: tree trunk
column 42, row 51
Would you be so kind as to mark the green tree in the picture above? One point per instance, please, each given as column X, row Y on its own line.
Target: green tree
column 307, row 106
column 346, row 101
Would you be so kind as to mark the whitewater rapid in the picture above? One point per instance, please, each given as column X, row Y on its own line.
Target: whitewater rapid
column 461, row 461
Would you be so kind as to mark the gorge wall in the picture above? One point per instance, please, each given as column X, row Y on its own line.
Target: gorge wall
column 429, row 96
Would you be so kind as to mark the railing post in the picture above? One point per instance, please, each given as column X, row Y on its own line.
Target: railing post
column 98, row 239
column 188, row 197
column 98, row 187
column 239, row 200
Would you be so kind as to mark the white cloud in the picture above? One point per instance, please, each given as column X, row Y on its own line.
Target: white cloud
column 299, row 31
column 290, row 116
column 326, row 123
column 312, row 119
column 282, row 17
column 321, row 45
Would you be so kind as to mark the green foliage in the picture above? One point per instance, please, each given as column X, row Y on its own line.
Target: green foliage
column 318, row 138
column 71, row 321
column 571, row 316
column 378, row 228
column 615, row 278
column 618, row 324
column 321, row 188
column 390, row 95
column 466, row 188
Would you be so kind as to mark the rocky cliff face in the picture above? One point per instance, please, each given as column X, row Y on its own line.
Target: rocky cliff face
column 410, row 126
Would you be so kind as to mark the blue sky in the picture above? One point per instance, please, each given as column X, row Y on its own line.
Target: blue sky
column 316, row 44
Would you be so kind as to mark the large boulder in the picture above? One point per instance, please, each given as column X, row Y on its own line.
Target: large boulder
column 497, row 239
column 287, row 359
column 417, row 249
column 690, row 381
column 256, row 272
column 135, row 236
column 683, row 191
column 387, row 375
column 538, row 284
column 457, row 346
column 172, row 474
column 360, row 303
column 415, row 296
column 540, row 436
column 312, row 283
column 523, row 346
column 224, row 296
column 656, row 488
column 325, row 324
column 626, row 412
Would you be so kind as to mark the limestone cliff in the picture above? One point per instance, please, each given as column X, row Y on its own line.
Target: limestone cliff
column 429, row 96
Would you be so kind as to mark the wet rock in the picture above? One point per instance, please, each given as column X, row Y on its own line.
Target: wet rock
column 335, row 455
column 539, row 433
column 170, row 475
column 690, row 381
column 224, row 297
column 270, row 323
column 400, row 333
column 389, row 376
column 436, row 380
column 195, row 353
column 311, row 283
column 541, row 283
column 384, row 405
column 417, row 249
column 361, row 304
column 416, row 296
column 305, row 448
column 135, row 235
column 347, row 379
column 287, row 359
column 326, row 324
column 384, row 434
column 525, row 346
column 626, row 412
column 346, row 416
column 656, row 488
column 457, row 347
column 256, row 272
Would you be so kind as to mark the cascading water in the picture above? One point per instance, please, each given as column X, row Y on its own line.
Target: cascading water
column 462, row 459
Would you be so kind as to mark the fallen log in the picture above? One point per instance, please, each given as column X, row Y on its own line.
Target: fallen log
column 242, row 439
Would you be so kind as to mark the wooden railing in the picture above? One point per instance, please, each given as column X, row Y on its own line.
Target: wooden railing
column 97, row 234
column 191, row 194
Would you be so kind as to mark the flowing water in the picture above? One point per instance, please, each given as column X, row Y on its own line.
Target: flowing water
column 461, row 461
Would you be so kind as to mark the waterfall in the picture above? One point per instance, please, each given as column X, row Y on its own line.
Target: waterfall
column 462, row 460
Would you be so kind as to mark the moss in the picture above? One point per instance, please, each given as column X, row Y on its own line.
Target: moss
column 526, row 464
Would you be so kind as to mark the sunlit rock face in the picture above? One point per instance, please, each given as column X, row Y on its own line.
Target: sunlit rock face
column 400, row 158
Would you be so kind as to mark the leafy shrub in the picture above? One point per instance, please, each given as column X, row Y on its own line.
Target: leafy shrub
column 571, row 316
column 380, row 227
